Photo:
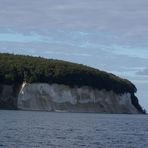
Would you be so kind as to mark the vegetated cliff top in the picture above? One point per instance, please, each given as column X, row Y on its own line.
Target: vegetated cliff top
column 15, row 69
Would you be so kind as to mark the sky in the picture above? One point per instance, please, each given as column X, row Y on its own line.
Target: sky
column 111, row 35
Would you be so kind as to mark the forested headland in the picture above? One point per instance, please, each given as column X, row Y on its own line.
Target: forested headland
column 19, row 68
column 16, row 69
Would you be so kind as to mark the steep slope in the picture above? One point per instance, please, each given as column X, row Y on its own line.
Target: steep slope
column 37, row 71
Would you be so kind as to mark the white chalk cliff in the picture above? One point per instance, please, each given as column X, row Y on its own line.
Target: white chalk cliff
column 56, row 97
column 67, row 87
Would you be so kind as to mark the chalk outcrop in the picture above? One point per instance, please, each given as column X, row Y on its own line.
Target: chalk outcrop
column 56, row 97
column 36, row 83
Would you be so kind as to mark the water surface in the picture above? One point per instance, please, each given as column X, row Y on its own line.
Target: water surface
column 29, row 129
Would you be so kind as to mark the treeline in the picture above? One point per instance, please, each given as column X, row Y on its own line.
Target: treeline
column 15, row 69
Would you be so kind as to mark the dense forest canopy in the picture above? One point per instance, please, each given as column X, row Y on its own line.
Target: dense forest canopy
column 15, row 69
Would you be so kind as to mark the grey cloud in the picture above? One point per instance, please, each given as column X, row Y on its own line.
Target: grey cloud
column 107, row 22
column 127, row 17
column 143, row 72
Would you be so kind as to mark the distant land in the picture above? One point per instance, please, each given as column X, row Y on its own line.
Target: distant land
column 36, row 83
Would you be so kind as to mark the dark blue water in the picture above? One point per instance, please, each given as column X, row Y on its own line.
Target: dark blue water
column 25, row 129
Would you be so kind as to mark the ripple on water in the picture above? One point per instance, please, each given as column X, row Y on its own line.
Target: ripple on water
column 19, row 129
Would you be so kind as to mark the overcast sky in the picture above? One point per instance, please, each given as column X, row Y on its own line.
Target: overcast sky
column 110, row 35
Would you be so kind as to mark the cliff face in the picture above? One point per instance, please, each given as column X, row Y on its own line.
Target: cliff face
column 55, row 97
column 54, row 85
column 8, row 96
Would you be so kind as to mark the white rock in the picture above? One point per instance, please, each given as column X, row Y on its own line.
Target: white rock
column 42, row 96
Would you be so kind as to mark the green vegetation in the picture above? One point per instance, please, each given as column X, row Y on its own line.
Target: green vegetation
column 15, row 69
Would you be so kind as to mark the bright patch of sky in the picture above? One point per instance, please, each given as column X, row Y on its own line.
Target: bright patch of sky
column 130, row 51
column 77, row 39
column 17, row 37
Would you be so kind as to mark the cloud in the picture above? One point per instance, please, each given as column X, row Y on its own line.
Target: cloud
column 113, row 26
column 126, row 18
column 143, row 72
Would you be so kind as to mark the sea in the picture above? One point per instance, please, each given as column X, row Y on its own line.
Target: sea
column 35, row 129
